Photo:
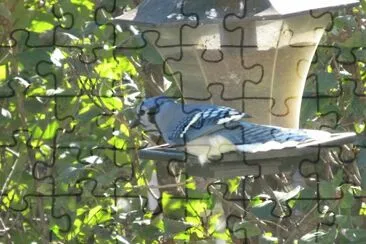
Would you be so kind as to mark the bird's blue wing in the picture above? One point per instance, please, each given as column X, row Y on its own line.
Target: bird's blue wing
column 205, row 121
column 250, row 133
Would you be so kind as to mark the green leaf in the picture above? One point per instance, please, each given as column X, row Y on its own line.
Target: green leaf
column 348, row 197
column 246, row 229
column 359, row 127
column 51, row 130
column 3, row 72
column 356, row 40
column 327, row 190
column 344, row 21
column 92, row 213
column 114, row 68
column 172, row 207
column 112, row 103
column 196, row 207
column 363, row 4
column 81, row 211
column 191, row 185
column 46, row 150
column 56, row 230
column 182, row 236
column 48, row 133
column 234, row 184
column 269, row 238
column 77, row 226
column 326, row 82
column 86, row 3
column 117, row 142
column 40, row 26
column 36, row 91
column 124, row 129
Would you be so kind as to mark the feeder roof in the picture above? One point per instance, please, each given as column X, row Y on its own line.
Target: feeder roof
column 177, row 12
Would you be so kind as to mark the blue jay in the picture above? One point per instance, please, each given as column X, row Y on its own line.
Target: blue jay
column 207, row 130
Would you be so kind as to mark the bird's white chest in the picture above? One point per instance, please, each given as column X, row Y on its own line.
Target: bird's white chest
column 209, row 147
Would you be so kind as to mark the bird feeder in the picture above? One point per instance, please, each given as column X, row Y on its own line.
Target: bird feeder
column 251, row 55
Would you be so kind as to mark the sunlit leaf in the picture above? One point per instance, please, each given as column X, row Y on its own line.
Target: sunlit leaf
column 111, row 103
column 3, row 69
column 40, row 26
column 91, row 215
column 124, row 129
column 87, row 3
column 51, row 130
column 46, row 134
column 117, row 142
column 359, row 127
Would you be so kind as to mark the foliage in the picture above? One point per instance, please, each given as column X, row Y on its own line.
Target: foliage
column 68, row 161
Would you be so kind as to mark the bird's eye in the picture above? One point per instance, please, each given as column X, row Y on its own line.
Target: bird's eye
column 153, row 110
column 142, row 112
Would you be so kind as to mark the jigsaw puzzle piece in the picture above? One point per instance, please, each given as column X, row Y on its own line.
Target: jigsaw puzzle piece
column 19, row 32
column 360, row 54
column 39, row 32
column 30, row 110
column 49, row 81
column 294, row 44
column 72, row 160
column 59, row 25
column 100, row 79
column 215, row 60
column 218, row 56
column 41, row 74
column 94, row 217
column 35, row 194
column 320, row 101
column 47, row 63
column 91, row 93
column 34, row 208
column 70, row 175
column 319, row 168
column 98, row 35
column 247, row 210
column 36, row 167
column 168, row 39
column 10, row 97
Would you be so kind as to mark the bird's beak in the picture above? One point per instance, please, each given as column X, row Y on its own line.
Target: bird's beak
column 134, row 123
column 247, row 116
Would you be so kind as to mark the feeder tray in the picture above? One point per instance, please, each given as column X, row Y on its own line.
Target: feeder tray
column 234, row 164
